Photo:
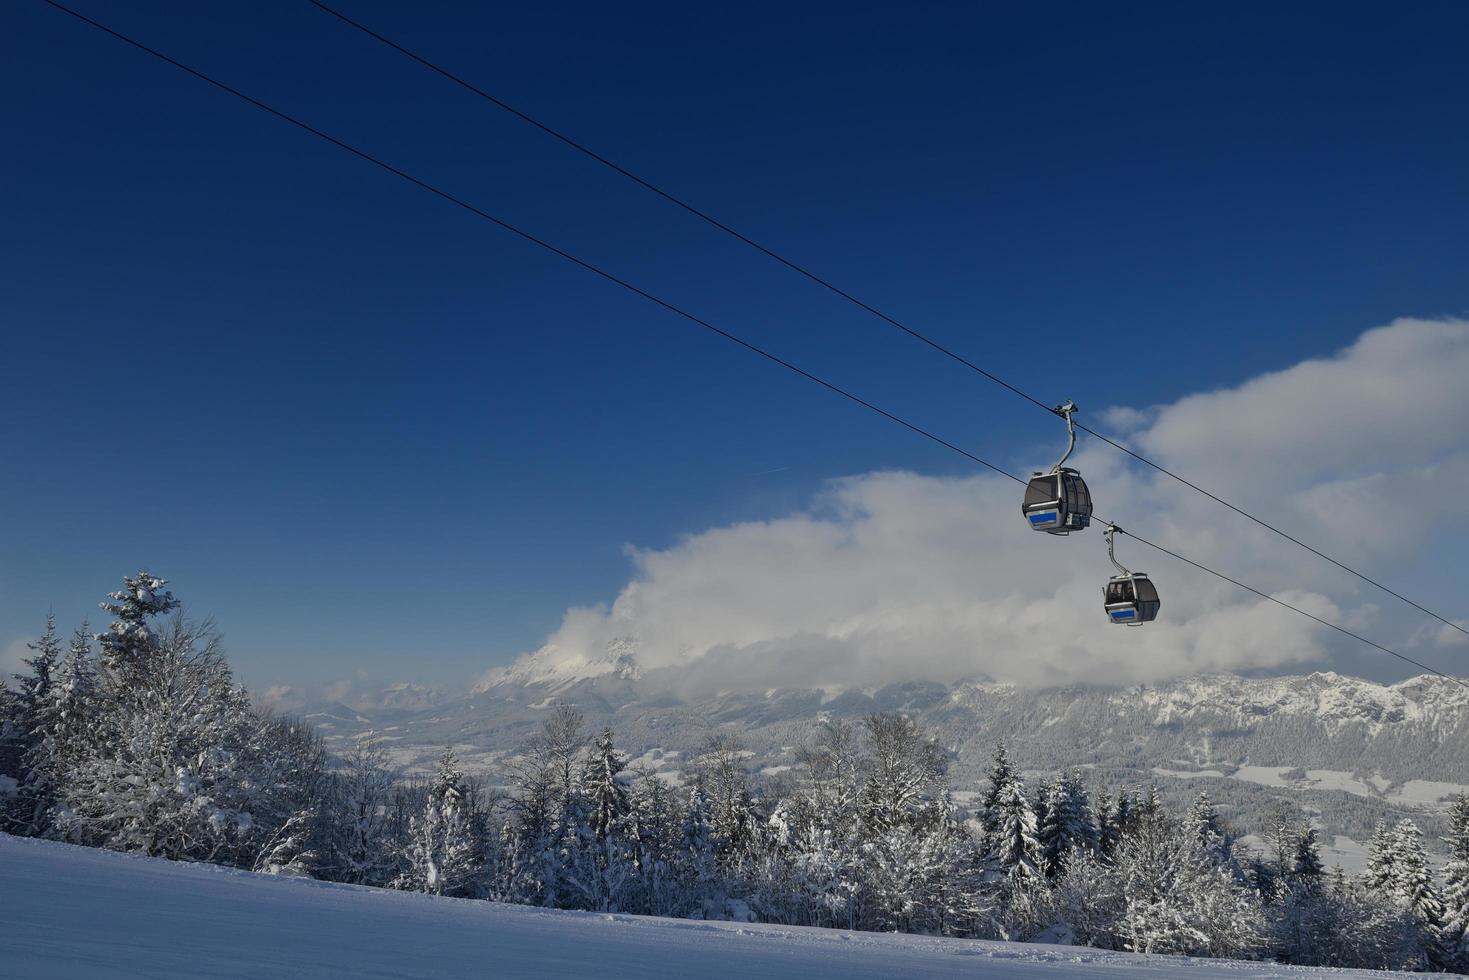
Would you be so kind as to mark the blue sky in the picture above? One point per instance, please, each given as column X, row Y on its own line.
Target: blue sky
column 366, row 431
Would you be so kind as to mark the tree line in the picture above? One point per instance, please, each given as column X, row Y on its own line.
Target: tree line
column 138, row 739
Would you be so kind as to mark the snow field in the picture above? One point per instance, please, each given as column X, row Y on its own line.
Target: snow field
column 71, row 912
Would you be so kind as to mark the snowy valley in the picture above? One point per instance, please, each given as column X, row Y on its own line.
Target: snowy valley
column 1349, row 751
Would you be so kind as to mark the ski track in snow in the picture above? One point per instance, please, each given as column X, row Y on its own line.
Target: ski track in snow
column 72, row 912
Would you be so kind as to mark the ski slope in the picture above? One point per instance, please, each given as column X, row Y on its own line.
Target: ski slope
column 81, row 913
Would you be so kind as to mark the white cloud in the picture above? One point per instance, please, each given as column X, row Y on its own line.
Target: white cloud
column 897, row 576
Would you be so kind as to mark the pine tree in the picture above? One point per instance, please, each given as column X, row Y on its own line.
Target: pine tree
column 35, row 729
column 1455, row 931
column 129, row 641
column 605, row 794
column 1306, row 867
column 1414, row 888
column 175, row 763
column 1150, row 809
column 601, row 868
column 655, row 832
column 699, row 864
column 10, row 751
column 1125, row 820
column 510, row 874
column 73, row 692
column 444, row 854
column 1108, row 829
column 1067, row 824
column 1002, row 776
column 34, row 688
column 1379, row 875
column 1015, row 843
column 1202, row 820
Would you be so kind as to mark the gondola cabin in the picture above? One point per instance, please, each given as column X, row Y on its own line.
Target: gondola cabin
column 1131, row 600
column 1058, row 502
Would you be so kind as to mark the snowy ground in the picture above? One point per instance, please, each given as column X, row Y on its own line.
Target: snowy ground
column 80, row 913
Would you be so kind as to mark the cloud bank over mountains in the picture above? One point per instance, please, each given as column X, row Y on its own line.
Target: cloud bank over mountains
column 891, row 576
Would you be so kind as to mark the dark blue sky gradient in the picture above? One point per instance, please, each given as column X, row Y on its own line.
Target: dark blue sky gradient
column 364, row 429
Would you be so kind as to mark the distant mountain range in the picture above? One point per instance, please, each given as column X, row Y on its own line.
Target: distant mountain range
column 1349, row 751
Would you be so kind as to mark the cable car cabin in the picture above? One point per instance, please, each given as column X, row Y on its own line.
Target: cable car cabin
column 1131, row 600
column 1057, row 503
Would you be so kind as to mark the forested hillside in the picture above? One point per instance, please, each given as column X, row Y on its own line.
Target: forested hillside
column 138, row 740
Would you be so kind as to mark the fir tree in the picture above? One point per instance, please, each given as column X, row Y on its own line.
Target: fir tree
column 175, row 763
column 1108, row 829
column 1125, row 817
column 1379, row 875
column 1414, row 888
column 129, row 641
column 444, row 855
column 1202, row 820
column 34, row 688
column 698, row 862
column 35, row 718
column 1306, row 868
column 1455, row 931
column 1067, row 824
column 1015, row 843
column 1002, row 776
column 604, row 792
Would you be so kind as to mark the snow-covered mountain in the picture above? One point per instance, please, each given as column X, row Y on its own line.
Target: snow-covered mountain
column 1352, row 751
column 553, row 668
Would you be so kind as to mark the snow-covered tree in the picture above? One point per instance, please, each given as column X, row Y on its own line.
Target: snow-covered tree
column 655, row 835
column 1379, row 874
column 444, row 853
column 905, row 774
column 172, row 766
column 289, row 850
column 157, row 750
column 832, row 770
column 600, row 859
column 1068, row 823
column 1306, row 870
column 1202, row 820
column 1014, row 841
column 34, row 736
column 1455, row 930
column 606, row 796
column 1002, row 776
column 726, row 783
column 1088, row 903
column 1108, row 825
column 1414, row 887
column 10, row 746
column 510, row 872
column 1124, row 817
column 1177, row 900
column 72, row 697
column 361, row 848
column 129, row 644
column 698, row 860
